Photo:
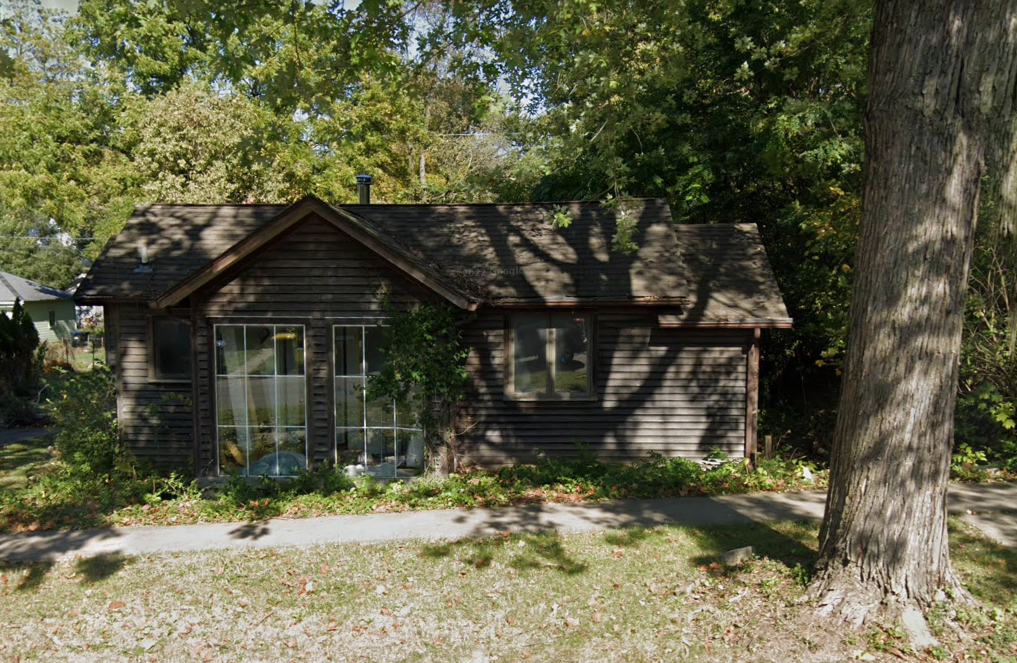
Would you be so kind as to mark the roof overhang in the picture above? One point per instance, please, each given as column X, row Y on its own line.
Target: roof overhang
column 669, row 321
column 350, row 224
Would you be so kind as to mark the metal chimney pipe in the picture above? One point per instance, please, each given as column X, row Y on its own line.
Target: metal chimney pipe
column 364, row 189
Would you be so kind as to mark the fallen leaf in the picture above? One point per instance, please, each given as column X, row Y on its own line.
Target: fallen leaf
column 596, row 618
column 117, row 605
column 571, row 621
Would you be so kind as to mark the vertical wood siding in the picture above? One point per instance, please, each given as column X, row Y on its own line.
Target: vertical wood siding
column 155, row 418
column 672, row 391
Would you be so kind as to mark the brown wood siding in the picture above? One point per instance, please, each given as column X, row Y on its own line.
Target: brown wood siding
column 155, row 418
column 317, row 277
column 672, row 391
column 678, row 392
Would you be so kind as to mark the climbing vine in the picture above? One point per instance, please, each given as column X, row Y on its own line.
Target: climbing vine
column 426, row 368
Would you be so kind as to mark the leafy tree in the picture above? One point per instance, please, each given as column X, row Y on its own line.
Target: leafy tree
column 19, row 372
column 938, row 111
column 33, row 247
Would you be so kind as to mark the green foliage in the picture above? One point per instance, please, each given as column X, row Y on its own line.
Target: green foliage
column 66, row 499
column 84, row 409
column 19, row 356
column 425, row 364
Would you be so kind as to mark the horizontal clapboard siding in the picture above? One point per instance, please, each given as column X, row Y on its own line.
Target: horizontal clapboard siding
column 316, row 276
column 674, row 392
column 156, row 420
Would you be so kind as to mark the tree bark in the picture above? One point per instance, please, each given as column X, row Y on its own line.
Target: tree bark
column 941, row 79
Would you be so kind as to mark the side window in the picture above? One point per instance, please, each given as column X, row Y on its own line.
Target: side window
column 549, row 357
column 170, row 351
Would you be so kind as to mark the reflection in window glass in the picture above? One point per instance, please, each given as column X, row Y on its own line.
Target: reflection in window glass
column 550, row 355
column 261, row 398
column 529, row 354
column 381, row 438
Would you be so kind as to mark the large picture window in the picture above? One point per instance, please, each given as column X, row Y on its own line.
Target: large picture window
column 261, row 399
column 379, row 437
column 549, row 356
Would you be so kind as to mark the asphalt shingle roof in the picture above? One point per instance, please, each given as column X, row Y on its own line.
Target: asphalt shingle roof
column 14, row 287
column 505, row 252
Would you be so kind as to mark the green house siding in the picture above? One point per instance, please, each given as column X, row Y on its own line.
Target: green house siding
column 63, row 315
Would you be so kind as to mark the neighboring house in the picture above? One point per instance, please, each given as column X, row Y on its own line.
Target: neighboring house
column 242, row 335
column 51, row 310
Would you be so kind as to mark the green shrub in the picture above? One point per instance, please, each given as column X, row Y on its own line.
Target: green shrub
column 84, row 409
column 19, row 357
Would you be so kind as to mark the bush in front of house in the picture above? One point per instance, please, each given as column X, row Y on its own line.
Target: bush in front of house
column 84, row 409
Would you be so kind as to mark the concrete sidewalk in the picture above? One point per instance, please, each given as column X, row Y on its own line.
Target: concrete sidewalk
column 989, row 507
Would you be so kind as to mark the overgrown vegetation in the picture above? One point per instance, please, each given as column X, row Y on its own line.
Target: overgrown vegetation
column 87, row 481
column 425, row 367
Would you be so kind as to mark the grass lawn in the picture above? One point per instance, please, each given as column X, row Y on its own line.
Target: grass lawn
column 21, row 460
column 631, row 595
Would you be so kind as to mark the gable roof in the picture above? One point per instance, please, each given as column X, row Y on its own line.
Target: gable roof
column 499, row 254
column 14, row 287
column 359, row 229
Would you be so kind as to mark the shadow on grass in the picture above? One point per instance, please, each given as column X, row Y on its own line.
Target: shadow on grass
column 98, row 568
column 792, row 544
column 988, row 569
column 521, row 552
column 34, row 576
column 21, row 460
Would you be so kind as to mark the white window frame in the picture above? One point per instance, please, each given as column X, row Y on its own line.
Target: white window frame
column 364, row 376
column 275, row 375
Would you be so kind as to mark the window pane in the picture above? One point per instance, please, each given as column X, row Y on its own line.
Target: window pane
column 262, row 444
column 381, row 448
column 229, row 349
column 231, row 399
column 529, row 354
column 293, row 441
column 290, row 397
column 348, row 351
column 261, row 401
column 172, row 351
column 349, row 399
column 411, row 449
column 260, row 350
column 233, row 446
column 379, row 413
column 374, row 341
column 571, row 345
column 406, row 417
column 289, row 350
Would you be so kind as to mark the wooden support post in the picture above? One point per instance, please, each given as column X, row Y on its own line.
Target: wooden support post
column 752, row 396
column 768, row 447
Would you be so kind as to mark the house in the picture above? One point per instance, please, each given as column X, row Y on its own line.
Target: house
column 51, row 309
column 241, row 336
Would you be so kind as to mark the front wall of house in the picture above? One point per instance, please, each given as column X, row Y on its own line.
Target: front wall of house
column 155, row 417
column 317, row 277
column 671, row 391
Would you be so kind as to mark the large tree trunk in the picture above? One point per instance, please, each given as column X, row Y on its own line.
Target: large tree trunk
column 941, row 74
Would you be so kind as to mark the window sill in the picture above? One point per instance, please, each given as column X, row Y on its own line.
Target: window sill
column 549, row 399
column 169, row 380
